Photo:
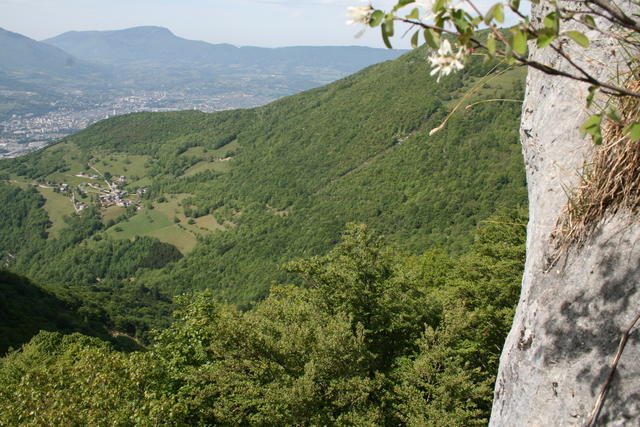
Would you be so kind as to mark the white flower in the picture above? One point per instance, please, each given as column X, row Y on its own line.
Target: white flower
column 444, row 61
column 359, row 14
column 427, row 5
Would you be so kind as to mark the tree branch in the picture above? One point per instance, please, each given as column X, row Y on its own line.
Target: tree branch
column 585, row 78
column 598, row 406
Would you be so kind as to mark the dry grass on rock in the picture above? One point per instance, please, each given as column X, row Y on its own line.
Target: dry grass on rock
column 610, row 184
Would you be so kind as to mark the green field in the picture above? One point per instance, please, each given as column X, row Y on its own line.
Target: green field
column 210, row 159
column 159, row 223
column 72, row 157
column 129, row 165
column 143, row 223
column 172, row 207
column 209, row 223
column 112, row 212
column 57, row 206
column 70, row 178
column 220, row 152
column 216, row 166
column 174, row 235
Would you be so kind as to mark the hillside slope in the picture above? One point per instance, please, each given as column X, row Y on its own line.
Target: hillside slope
column 27, row 308
column 29, row 59
column 241, row 192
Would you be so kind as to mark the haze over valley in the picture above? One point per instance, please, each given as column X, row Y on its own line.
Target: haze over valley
column 55, row 87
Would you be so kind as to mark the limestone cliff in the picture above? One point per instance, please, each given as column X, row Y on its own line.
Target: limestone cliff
column 569, row 318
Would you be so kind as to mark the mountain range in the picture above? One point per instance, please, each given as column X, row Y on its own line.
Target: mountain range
column 51, row 88
column 159, row 46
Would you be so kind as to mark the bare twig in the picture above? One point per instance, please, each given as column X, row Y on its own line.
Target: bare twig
column 593, row 416
column 616, row 14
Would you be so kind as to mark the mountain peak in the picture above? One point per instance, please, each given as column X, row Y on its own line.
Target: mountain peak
column 137, row 31
column 148, row 29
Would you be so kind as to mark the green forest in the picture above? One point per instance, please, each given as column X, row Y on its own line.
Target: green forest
column 319, row 260
column 370, row 337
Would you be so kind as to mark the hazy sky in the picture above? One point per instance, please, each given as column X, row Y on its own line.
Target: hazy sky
column 240, row 22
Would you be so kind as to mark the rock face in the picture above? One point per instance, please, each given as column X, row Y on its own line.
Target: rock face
column 569, row 319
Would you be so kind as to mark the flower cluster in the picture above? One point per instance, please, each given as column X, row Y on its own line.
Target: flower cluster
column 359, row 14
column 444, row 61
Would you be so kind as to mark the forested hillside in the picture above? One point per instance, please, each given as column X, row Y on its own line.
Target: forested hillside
column 221, row 201
column 372, row 337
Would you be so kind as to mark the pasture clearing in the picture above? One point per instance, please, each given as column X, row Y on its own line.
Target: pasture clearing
column 57, row 206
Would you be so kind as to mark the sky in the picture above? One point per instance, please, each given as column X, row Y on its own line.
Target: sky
column 268, row 23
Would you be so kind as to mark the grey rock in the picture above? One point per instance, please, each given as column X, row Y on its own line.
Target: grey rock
column 570, row 317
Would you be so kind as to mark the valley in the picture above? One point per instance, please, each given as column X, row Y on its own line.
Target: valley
column 239, row 193
column 21, row 133
column 328, row 240
column 52, row 88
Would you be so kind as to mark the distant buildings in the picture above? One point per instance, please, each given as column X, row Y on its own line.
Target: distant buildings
column 111, row 196
column 22, row 133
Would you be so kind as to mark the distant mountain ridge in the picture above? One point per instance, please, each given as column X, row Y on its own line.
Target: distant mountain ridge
column 23, row 57
column 61, row 85
column 138, row 44
column 158, row 45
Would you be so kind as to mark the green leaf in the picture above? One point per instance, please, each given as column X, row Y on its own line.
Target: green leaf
column 440, row 4
column 592, row 92
column 415, row 14
column 491, row 44
column 579, row 38
column 401, row 4
column 385, row 34
column 552, row 22
column 495, row 12
column 514, row 4
column 414, row 39
column 432, row 38
column 545, row 37
column 589, row 21
column 460, row 20
column 387, row 26
column 519, row 41
column 376, row 18
column 499, row 13
column 590, row 124
column 633, row 130
column 591, row 127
